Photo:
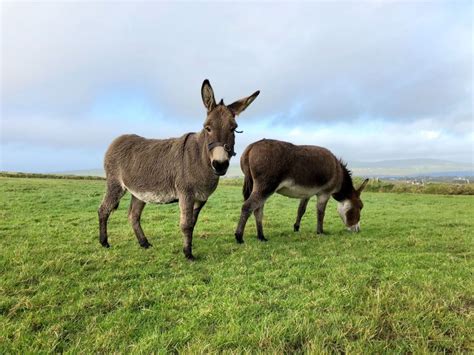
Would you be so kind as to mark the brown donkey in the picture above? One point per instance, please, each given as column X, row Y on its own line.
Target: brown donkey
column 298, row 172
column 184, row 169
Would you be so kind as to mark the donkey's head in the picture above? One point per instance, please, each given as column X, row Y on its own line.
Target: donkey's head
column 349, row 209
column 220, row 127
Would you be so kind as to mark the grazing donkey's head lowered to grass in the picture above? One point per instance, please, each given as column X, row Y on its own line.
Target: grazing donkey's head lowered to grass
column 349, row 204
column 184, row 169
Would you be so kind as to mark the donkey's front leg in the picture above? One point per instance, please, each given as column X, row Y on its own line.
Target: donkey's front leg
column 198, row 205
column 187, row 225
column 321, row 208
column 299, row 215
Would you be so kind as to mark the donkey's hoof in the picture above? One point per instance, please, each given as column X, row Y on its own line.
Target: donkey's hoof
column 146, row 244
column 239, row 239
column 320, row 232
column 188, row 253
column 105, row 243
column 262, row 239
column 296, row 228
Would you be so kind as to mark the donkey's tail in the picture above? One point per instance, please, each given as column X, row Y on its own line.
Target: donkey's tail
column 248, row 186
column 248, row 181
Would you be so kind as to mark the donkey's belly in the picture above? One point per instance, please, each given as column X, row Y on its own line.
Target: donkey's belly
column 155, row 197
column 290, row 189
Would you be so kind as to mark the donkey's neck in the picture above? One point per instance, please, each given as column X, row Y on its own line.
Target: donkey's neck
column 202, row 147
column 347, row 187
column 204, row 154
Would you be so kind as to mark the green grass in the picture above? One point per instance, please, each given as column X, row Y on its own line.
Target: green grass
column 404, row 284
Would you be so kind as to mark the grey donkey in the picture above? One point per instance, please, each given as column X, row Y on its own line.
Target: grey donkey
column 184, row 170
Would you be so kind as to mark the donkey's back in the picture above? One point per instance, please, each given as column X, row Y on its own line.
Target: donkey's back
column 139, row 163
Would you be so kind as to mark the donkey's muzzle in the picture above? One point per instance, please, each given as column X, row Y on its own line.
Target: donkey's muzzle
column 220, row 167
column 228, row 149
column 355, row 228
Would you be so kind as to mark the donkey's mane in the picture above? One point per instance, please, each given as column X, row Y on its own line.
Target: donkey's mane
column 186, row 137
column 347, row 186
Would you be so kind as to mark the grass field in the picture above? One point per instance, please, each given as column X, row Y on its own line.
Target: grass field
column 404, row 284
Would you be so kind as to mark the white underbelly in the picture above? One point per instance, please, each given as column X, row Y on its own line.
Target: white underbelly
column 288, row 188
column 155, row 197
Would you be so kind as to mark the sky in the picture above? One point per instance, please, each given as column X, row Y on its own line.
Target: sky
column 370, row 80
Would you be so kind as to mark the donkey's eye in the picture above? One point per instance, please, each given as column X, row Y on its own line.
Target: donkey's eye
column 208, row 128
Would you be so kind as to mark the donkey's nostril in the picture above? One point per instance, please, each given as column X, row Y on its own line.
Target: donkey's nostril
column 220, row 167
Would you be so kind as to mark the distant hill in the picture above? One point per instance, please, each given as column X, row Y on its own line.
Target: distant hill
column 411, row 167
column 87, row 172
column 383, row 168
column 233, row 172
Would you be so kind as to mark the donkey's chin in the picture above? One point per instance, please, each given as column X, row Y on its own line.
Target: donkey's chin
column 219, row 173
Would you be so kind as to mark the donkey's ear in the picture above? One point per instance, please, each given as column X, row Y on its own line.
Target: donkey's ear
column 240, row 105
column 207, row 95
column 362, row 187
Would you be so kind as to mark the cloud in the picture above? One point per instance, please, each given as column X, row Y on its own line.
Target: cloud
column 430, row 134
column 76, row 74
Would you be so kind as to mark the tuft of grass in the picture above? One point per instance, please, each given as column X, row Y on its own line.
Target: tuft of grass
column 404, row 284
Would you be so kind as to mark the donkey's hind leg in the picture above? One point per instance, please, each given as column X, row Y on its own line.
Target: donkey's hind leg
column 134, row 213
column 254, row 202
column 258, row 213
column 111, row 200
column 301, row 211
